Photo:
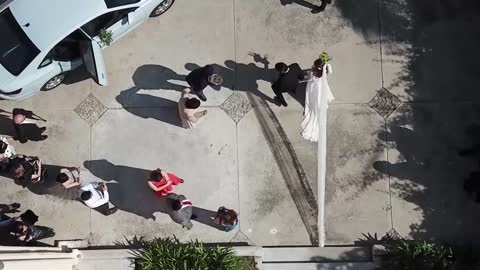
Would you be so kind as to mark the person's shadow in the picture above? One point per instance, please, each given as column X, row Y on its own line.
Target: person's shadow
column 6, row 125
column 129, row 192
column 152, row 77
column 236, row 76
column 49, row 186
column 299, row 2
column 131, row 96
column 128, row 188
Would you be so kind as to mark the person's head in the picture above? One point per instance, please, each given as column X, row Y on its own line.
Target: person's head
column 18, row 170
column 3, row 147
column 230, row 217
column 281, row 67
column 192, row 103
column 86, row 195
column 176, row 205
column 62, row 178
column 156, row 175
column 19, row 227
column 215, row 79
column 318, row 63
column 18, row 119
column 317, row 67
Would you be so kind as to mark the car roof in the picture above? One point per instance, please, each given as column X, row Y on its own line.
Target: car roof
column 49, row 21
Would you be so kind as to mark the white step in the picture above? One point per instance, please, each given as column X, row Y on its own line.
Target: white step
column 321, row 266
column 106, row 264
column 317, row 254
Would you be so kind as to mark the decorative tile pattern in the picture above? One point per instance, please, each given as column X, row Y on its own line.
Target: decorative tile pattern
column 236, row 106
column 393, row 235
column 384, row 103
column 240, row 237
column 90, row 109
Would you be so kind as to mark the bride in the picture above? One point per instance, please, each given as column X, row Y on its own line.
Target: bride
column 318, row 96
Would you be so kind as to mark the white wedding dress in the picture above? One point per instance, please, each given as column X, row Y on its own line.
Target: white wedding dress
column 318, row 96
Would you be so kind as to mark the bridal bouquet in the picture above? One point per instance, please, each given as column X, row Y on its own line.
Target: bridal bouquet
column 325, row 57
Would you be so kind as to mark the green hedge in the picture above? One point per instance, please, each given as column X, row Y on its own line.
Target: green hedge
column 420, row 255
column 170, row 253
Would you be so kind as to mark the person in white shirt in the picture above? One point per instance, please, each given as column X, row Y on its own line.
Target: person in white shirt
column 95, row 195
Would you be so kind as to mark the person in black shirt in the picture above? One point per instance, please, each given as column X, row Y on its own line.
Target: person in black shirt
column 200, row 78
column 27, row 170
column 24, row 129
column 288, row 81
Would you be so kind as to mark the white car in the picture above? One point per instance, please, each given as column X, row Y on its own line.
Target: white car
column 42, row 40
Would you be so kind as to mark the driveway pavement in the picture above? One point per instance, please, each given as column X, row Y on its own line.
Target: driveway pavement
column 392, row 162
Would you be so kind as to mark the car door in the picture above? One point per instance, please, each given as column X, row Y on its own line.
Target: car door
column 130, row 19
column 92, row 57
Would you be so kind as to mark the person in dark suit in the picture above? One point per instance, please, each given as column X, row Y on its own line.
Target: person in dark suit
column 26, row 130
column 288, row 80
column 200, row 78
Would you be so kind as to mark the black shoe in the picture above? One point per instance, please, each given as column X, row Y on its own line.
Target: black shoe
column 202, row 96
column 181, row 181
column 112, row 210
column 43, row 129
column 317, row 10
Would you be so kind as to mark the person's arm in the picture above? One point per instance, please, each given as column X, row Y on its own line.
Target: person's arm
column 200, row 114
column 152, row 186
column 165, row 175
column 74, row 184
column 37, row 173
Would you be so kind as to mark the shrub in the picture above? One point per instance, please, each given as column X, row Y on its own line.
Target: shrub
column 170, row 253
column 420, row 255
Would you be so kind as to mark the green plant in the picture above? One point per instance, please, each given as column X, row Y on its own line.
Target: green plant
column 325, row 57
column 419, row 255
column 170, row 253
column 106, row 37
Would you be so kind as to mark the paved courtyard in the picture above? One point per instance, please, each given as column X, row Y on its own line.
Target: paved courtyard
column 404, row 81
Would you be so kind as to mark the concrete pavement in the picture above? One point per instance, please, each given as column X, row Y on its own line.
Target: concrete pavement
column 381, row 176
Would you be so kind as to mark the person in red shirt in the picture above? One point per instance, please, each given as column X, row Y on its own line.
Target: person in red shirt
column 162, row 182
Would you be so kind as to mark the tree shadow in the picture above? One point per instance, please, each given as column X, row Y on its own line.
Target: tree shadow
column 131, row 96
column 436, row 67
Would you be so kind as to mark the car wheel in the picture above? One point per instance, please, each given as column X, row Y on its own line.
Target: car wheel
column 162, row 8
column 54, row 82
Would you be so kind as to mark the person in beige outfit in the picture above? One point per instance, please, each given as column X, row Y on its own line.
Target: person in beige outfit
column 189, row 110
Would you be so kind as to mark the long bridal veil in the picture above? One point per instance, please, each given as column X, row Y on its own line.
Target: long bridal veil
column 318, row 96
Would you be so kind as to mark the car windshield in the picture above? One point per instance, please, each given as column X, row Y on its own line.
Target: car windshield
column 16, row 49
column 117, row 3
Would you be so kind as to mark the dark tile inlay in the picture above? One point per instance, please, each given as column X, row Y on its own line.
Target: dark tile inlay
column 384, row 103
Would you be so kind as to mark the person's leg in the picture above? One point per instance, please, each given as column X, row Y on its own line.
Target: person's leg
column 280, row 98
column 105, row 209
column 200, row 95
column 322, row 7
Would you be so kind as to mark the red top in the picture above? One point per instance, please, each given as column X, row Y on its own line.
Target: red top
column 168, row 189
